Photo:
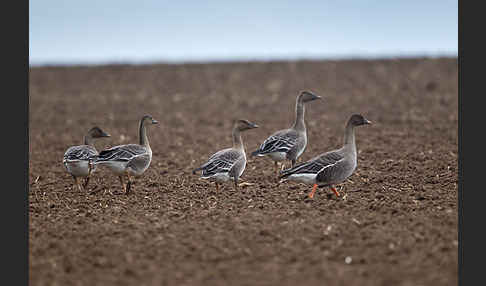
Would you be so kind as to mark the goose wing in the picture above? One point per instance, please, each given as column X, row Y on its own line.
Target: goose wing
column 220, row 162
column 316, row 165
column 121, row 153
column 282, row 141
column 79, row 153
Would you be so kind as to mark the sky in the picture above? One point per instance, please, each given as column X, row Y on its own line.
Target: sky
column 143, row 31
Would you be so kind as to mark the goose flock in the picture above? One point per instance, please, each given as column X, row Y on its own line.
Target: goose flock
column 132, row 160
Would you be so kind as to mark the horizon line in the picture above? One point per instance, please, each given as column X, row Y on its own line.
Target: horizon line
column 239, row 59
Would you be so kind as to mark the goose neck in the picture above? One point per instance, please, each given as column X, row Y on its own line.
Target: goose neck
column 88, row 140
column 143, row 135
column 237, row 141
column 349, row 137
column 299, row 123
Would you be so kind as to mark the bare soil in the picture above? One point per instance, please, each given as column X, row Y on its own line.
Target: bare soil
column 398, row 223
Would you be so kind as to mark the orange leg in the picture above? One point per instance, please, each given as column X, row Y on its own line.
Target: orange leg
column 76, row 180
column 314, row 188
column 129, row 184
column 122, row 182
column 86, row 181
column 335, row 191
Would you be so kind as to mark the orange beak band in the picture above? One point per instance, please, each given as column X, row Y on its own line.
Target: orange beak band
column 335, row 191
column 314, row 188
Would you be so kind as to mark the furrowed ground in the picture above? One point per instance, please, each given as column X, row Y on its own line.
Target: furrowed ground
column 396, row 226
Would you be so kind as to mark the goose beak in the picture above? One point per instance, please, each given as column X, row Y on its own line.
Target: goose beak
column 368, row 122
column 154, row 121
column 253, row 125
column 105, row 135
column 316, row 97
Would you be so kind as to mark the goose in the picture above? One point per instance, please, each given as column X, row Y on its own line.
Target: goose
column 288, row 144
column 76, row 158
column 228, row 164
column 129, row 159
column 332, row 167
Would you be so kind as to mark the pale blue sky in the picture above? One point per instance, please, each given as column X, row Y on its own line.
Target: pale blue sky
column 102, row 31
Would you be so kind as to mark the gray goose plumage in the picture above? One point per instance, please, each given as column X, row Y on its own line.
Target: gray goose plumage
column 76, row 158
column 228, row 164
column 288, row 144
column 332, row 167
column 129, row 159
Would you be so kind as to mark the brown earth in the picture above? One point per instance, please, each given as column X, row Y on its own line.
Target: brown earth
column 396, row 226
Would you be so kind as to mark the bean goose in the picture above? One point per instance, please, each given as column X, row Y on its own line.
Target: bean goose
column 228, row 164
column 332, row 167
column 76, row 158
column 129, row 159
column 288, row 144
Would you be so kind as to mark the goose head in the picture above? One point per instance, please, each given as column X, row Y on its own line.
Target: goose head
column 358, row 120
column 242, row 125
column 96, row 132
column 306, row 96
column 148, row 120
